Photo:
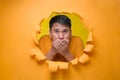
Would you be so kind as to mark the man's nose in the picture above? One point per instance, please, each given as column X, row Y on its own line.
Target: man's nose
column 61, row 36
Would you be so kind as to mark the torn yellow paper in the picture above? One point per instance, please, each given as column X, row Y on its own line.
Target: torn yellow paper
column 52, row 66
column 39, row 55
column 35, row 38
column 90, row 37
column 84, row 58
column 62, row 65
column 89, row 48
column 36, row 52
column 74, row 61
column 32, row 52
column 37, row 28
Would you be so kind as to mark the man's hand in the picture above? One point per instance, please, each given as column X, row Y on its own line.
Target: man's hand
column 62, row 48
column 50, row 55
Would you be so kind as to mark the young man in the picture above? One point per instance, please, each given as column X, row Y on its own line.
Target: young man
column 60, row 45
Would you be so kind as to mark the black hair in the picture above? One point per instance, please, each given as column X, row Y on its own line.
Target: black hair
column 61, row 19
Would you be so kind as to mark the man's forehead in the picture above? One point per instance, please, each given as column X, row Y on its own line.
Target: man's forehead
column 63, row 26
column 57, row 27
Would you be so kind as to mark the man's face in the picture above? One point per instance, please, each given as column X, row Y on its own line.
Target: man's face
column 61, row 32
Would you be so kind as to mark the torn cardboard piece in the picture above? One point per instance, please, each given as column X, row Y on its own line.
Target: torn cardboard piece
column 90, row 37
column 62, row 65
column 36, row 52
column 35, row 38
column 84, row 58
column 52, row 66
column 89, row 48
column 74, row 61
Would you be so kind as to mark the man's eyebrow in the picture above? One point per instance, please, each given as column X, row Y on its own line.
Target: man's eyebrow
column 66, row 29
column 56, row 29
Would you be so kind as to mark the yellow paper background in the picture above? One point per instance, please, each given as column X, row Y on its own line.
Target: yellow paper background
column 18, row 19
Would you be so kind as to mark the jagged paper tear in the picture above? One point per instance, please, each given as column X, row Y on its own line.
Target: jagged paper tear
column 53, row 66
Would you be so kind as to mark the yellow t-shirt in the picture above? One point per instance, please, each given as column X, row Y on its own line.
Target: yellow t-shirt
column 75, row 47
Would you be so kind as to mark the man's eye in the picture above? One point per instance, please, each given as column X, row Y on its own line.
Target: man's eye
column 56, row 31
column 65, row 31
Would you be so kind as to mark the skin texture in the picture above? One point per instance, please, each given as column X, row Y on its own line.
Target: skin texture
column 60, row 35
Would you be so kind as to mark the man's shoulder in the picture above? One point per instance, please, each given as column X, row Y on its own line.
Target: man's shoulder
column 76, row 38
column 45, row 38
column 77, row 41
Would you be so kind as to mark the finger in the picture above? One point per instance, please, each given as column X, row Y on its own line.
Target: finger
column 65, row 42
column 61, row 44
column 54, row 38
column 56, row 44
